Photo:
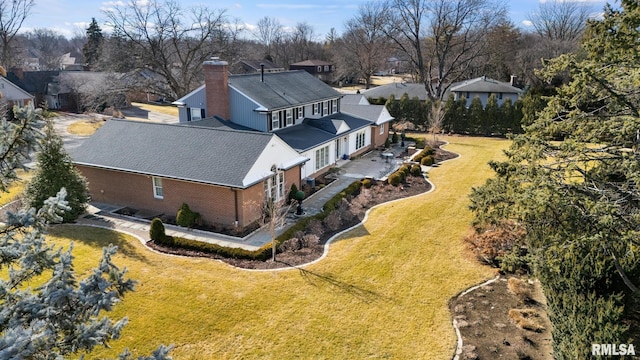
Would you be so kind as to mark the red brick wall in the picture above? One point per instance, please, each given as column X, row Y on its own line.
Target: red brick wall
column 216, row 79
column 378, row 140
column 216, row 204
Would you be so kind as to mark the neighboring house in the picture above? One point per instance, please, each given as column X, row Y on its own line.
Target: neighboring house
column 302, row 110
column 397, row 89
column 223, row 174
column 61, row 89
column 482, row 88
column 13, row 95
column 321, row 69
column 256, row 66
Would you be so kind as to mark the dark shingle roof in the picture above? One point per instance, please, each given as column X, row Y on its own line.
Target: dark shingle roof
column 311, row 63
column 397, row 89
column 282, row 89
column 201, row 154
column 315, row 132
column 484, row 85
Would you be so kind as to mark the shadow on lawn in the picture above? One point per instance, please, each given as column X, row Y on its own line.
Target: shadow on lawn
column 365, row 295
column 97, row 238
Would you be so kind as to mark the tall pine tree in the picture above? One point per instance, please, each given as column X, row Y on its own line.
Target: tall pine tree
column 56, row 171
column 572, row 181
column 93, row 47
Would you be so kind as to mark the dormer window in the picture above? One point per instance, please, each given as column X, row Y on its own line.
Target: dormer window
column 325, row 108
column 334, row 106
column 316, row 108
column 275, row 120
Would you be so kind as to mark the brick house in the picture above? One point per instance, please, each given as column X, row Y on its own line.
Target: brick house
column 320, row 69
column 222, row 173
column 299, row 108
column 240, row 139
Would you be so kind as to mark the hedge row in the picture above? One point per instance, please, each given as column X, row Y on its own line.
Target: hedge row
column 157, row 231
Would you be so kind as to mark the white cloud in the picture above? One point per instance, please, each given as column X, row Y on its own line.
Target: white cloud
column 527, row 23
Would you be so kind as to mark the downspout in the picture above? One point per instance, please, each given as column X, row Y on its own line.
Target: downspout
column 235, row 198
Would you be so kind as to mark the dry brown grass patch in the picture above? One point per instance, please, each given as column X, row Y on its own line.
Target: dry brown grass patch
column 528, row 319
column 520, row 288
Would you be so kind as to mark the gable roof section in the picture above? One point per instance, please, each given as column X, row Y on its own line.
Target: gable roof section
column 311, row 63
column 11, row 91
column 34, row 82
column 282, row 89
column 485, row 85
column 354, row 99
column 315, row 132
column 397, row 89
column 377, row 114
column 192, row 153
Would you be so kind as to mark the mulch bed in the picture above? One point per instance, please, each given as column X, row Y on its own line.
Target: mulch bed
column 379, row 193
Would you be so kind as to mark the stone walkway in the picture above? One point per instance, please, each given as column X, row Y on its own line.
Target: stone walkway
column 369, row 165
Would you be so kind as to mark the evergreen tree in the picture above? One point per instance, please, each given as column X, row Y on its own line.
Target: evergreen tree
column 507, row 116
column 61, row 315
column 491, row 117
column 578, row 198
column 449, row 122
column 56, row 171
column 475, row 116
column 93, row 47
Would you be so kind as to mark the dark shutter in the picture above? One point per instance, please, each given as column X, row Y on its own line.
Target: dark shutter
column 202, row 114
column 188, row 114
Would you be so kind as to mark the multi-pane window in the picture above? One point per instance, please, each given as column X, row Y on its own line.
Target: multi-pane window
column 300, row 112
column 275, row 120
column 360, row 140
column 326, row 68
column 325, row 108
column 381, row 129
column 157, row 188
column 316, row 108
column 289, row 116
column 322, row 157
column 334, row 106
column 274, row 185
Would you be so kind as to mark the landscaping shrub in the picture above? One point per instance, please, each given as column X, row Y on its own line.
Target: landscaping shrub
column 333, row 220
column 292, row 244
column 352, row 190
column 416, row 170
column 310, row 240
column 420, row 143
column 494, row 242
column 366, row 183
column 187, row 218
column 156, row 231
column 387, row 144
column 293, row 191
column 394, row 179
column 427, row 160
column 394, row 138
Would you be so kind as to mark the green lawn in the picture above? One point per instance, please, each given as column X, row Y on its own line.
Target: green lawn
column 381, row 293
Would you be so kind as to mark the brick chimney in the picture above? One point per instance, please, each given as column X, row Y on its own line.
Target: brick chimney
column 216, row 80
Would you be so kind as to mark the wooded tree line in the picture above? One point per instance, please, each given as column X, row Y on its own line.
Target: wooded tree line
column 437, row 42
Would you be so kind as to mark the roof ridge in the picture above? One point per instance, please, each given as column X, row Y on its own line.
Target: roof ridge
column 183, row 125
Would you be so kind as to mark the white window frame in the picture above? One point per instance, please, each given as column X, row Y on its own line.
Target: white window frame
column 319, row 68
column 325, row 108
column 289, row 117
column 360, row 140
column 300, row 114
column 381, row 129
column 275, row 120
column 334, row 106
column 316, row 108
column 322, row 157
column 274, row 185
column 158, row 191
column 326, row 68
column 195, row 115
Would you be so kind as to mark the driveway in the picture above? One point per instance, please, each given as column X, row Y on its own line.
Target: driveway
column 136, row 113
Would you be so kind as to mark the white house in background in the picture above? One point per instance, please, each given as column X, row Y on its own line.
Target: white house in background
column 482, row 88
column 297, row 107
column 12, row 94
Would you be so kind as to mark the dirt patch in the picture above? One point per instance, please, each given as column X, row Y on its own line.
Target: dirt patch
column 505, row 319
column 380, row 192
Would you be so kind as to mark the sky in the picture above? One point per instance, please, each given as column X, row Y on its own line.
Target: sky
column 71, row 17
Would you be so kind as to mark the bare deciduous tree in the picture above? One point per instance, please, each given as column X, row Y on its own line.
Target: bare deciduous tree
column 12, row 15
column 442, row 37
column 47, row 46
column 170, row 40
column 560, row 20
column 269, row 31
column 364, row 47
